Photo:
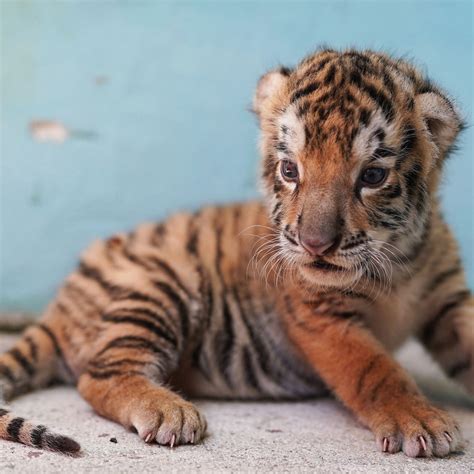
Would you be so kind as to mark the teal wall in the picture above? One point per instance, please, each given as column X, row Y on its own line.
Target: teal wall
column 159, row 95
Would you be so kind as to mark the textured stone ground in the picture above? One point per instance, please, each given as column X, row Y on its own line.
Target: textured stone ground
column 313, row 436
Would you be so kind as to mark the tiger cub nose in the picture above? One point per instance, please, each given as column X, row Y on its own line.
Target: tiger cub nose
column 319, row 247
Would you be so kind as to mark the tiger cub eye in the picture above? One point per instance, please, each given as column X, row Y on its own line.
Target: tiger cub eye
column 289, row 170
column 373, row 177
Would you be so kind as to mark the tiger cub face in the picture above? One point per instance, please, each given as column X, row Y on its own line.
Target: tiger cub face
column 352, row 146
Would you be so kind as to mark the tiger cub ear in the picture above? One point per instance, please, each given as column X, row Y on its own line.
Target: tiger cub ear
column 441, row 119
column 268, row 85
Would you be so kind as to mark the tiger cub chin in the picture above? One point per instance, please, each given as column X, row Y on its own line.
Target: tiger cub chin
column 310, row 291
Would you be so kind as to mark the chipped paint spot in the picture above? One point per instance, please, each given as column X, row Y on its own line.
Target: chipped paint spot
column 48, row 131
column 101, row 80
column 56, row 132
column 36, row 198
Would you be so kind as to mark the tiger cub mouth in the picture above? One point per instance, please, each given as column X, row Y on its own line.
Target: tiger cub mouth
column 321, row 264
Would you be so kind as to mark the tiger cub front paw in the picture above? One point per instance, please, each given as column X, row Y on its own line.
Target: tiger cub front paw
column 167, row 419
column 418, row 429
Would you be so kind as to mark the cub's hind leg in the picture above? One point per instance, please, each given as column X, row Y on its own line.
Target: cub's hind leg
column 124, row 379
column 33, row 362
column 449, row 335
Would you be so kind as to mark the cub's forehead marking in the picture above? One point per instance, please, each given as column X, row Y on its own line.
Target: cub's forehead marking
column 377, row 133
column 291, row 134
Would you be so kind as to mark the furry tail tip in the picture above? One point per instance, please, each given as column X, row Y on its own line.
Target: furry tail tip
column 37, row 436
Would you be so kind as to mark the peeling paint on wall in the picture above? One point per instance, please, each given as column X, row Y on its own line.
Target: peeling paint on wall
column 48, row 131
column 54, row 131
column 101, row 80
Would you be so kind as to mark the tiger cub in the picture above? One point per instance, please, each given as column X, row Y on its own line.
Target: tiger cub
column 306, row 293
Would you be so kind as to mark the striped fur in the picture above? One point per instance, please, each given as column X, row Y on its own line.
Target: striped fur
column 229, row 302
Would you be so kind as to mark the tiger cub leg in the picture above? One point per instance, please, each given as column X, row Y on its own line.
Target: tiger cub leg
column 372, row 384
column 448, row 335
column 33, row 362
column 124, row 381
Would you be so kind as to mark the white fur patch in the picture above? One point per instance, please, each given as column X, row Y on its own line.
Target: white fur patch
column 294, row 135
column 363, row 145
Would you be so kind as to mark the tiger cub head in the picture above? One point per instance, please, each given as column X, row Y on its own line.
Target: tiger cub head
column 352, row 145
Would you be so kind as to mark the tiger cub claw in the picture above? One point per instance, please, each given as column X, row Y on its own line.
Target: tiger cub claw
column 418, row 432
column 170, row 423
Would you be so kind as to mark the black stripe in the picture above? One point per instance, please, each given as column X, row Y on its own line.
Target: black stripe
column 103, row 375
column 458, row 368
column 387, row 224
column 457, row 299
column 95, row 274
column 392, row 191
column 330, row 75
column 302, row 109
column 384, row 152
column 309, row 89
column 159, row 234
column 290, row 239
column 207, row 295
column 7, row 373
column 192, row 242
column 133, row 311
column 395, row 214
column 354, row 294
column 154, row 328
column 138, row 296
column 376, row 389
column 347, row 315
column 366, row 371
column 136, row 260
column 380, row 98
column 285, row 71
column 353, row 243
column 37, row 436
column 133, row 342
column 224, row 342
column 178, row 303
column 412, row 177
column 442, row 277
column 82, row 295
column 249, row 370
column 315, row 68
column 162, row 265
column 276, row 208
column 364, row 116
column 409, row 139
column 200, row 361
column 277, row 219
column 282, row 146
column 3, row 412
column 14, row 427
column 103, row 364
column 380, row 135
column 23, row 361
column 33, row 348
column 56, row 346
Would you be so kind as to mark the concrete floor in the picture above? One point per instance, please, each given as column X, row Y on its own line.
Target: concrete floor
column 313, row 436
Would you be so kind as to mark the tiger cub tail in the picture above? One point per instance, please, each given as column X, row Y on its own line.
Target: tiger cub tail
column 34, row 361
column 18, row 429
